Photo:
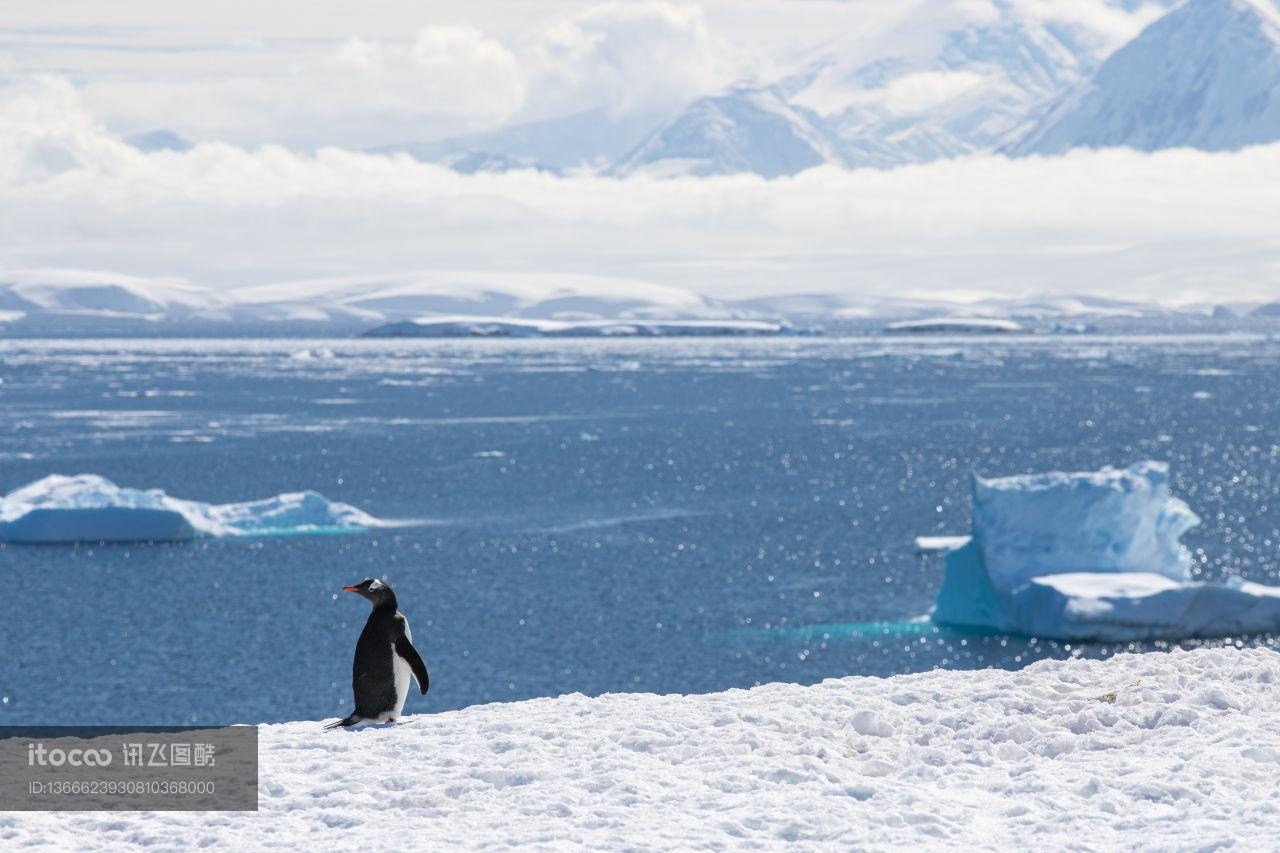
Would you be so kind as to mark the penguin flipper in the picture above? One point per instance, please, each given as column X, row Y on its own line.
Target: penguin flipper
column 405, row 649
column 351, row 720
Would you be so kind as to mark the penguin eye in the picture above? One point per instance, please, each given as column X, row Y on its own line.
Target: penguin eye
column 376, row 584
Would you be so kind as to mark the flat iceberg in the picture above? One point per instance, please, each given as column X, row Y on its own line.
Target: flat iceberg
column 940, row 544
column 1091, row 556
column 970, row 325
column 510, row 327
column 90, row 508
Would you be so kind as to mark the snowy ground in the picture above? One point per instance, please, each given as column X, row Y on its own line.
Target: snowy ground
column 1178, row 751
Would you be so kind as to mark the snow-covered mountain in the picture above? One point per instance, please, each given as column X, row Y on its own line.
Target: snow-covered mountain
column 75, row 300
column 1207, row 75
column 967, row 85
column 83, row 302
column 547, row 296
column 1013, row 76
column 955, row 81
column 160, row 139
column 744, row 130
column 583, row 139
column 69, row 295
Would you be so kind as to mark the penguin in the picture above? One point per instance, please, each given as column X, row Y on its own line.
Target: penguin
column 385, row 657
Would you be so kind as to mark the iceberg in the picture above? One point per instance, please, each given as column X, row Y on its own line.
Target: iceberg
column 90, row 508
column 1091, row 556
column 940, row 544
column 510, row 327
column 972, row 325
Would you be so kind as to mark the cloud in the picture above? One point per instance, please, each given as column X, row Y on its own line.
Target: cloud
column 1115, row 24
column 1175, row 225
column 622, row 57
column 439, row 80
column 305, row 73
column 447, row 71
column 629, row 57
column 921, row 91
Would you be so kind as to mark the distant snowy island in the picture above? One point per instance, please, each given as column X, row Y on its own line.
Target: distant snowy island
column 502, row 327
column 1138, row 751
column 979, row 325
column 478, row 303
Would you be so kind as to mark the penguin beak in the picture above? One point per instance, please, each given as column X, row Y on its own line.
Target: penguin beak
column 350, row 589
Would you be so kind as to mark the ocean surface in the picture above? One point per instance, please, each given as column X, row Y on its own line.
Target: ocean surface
column 594, row 516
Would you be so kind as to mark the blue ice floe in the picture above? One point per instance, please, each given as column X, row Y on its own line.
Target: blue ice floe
column 90, row 508
column 1091, row 556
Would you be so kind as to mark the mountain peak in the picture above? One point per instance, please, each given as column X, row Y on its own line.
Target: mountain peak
column 747, row 129
column 1206, row 75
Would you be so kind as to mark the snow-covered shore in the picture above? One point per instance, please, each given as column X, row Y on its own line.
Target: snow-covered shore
column 1171, row 751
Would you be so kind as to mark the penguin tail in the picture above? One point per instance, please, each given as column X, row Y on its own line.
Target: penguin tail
column 344, row 723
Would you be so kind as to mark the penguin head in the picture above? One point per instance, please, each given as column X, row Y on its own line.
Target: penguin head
column 378, row 592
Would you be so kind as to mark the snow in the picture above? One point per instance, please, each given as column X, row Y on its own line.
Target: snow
column 86, row 296
column 1091, row 555
column 90, row 508
column 960, row 79
column 71, row 293
column 505, row 327
column 744, row 130
column 954, row 324
column 1137, row 751
column 557, row 144
column 1203, row 76
column 471, row 293
column 53, row 300
column 915, row 88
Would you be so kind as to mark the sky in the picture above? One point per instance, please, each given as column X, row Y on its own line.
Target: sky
column 316, row 73
column 283, row 98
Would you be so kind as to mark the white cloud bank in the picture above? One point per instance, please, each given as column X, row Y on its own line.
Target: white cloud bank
column 1176, row 225
column 432, row 80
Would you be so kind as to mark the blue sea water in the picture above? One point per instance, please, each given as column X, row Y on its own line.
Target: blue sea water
column 658, row 515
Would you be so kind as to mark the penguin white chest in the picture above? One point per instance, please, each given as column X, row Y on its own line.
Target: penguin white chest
column 402, row 673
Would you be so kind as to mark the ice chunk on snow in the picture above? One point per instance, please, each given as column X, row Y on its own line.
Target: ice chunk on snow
column 1099, row 521
column 89, row 508
column 1091, row 556
column 1148, row 751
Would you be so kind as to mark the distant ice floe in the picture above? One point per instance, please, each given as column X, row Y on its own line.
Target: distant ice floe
column 1095, row 556
column 940, row 544
column 985, row 325
column 507, row 327
column 89, row 508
